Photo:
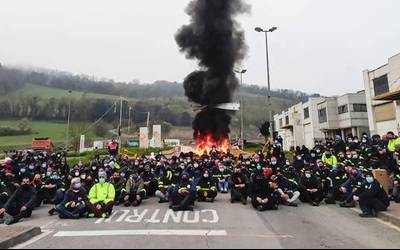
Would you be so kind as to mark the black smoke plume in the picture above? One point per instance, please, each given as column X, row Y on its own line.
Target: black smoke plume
column 215, row 39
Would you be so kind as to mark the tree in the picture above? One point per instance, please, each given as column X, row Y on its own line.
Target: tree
column 265, row 130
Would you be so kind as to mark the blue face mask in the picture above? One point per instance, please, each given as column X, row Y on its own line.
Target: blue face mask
column 259, row 167
column 370, row 180
column 123, row 175
column 23, row 170
column 102, row 180
column 77, row 186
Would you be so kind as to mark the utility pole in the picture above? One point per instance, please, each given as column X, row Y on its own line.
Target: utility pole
column 148, row 119
column 129, row 122
column 241, row 72
column 120, row 122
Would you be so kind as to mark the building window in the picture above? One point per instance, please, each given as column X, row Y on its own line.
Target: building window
column 306, row 113
column 280, row 123
column 381, row 85
column 343, row 109
column 360, row 107
column 287, row 120
column 322, row 115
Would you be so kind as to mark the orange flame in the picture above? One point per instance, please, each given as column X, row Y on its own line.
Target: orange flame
column 204, row 144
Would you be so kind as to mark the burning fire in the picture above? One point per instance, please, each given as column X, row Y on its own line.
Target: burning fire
column 204, row 144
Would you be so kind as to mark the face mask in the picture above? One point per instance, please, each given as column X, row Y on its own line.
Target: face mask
column 123, row 175
column 287, row 163
column 257, row 160
column 48, row 174
column 350, row 141
column 259, row 167
column 247, row 163
column 364, row 141
column 23, row 170
column 355, row 141
column 102, row 180
column 349, row 156
column 182, row 167
column 44, row 165
column 31, row 167
column 206, row 160
column 318, row 151
column 273, row 163
column 94, row 168
column 308, row 176
column 313, row 155
column 298, row 157
column 222, row 170
column 196, row 165
column 83, row 177
column 76, row 174
column 77, row 186
column 370, row 180
column 355, row 156
column 206, row 175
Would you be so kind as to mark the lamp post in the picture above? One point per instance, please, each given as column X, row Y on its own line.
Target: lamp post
column 68, row 121
column 241, row 72
column 261, row 30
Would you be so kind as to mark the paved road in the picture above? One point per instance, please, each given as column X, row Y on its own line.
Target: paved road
column 218, row 225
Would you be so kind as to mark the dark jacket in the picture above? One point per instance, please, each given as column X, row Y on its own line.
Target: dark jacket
column 312, row 183
column 22, row 197
column 374, row 190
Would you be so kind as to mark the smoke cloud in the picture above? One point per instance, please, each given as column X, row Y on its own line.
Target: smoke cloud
column 216, row 40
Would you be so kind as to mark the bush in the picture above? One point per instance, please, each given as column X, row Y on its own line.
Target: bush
column 7, row 131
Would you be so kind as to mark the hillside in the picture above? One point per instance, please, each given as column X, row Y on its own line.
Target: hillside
column 44, row 96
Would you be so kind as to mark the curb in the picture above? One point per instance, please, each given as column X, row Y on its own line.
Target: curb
column 385, row 216
column 20, row 238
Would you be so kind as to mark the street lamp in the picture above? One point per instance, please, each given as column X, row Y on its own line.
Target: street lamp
column 261, row 30
column 241, row 72
column 68, row 122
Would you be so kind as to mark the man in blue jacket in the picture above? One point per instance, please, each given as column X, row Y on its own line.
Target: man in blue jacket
column 372, row 197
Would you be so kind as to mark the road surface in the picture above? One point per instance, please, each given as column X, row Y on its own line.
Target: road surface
column 218, row 225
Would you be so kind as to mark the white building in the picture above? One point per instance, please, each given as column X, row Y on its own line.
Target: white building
column 298, row 125
column 343, row 115
column 382, row 88
column 322, row 117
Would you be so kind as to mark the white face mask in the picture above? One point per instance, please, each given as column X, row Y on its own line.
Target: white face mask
column 308, row 176
column 206, row 175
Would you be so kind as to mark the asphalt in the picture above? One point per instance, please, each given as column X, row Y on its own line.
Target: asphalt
column 217, row 225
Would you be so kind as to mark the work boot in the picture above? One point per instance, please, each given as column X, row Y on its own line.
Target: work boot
column 11, row 221
column 136, row 203
column 315, row 204
column 366, row 215
column 127, row 204
column 176, row 208
column 52, row 211
column 291, row 204
column 244, row 201
column 348, row 204
column 162, row 200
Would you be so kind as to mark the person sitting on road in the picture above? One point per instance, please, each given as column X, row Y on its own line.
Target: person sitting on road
column 221, row 175
column 239, row 186
column 183, row 197
column 21, row 203
column 372, row 197
column 206, row 188
column 73, row 206
column 288, row 190
column 310, row 188
column 164, row 183
column 150, row 182
column 119, row 185
column 101, row 198
column 135, row 192
column 263, row 193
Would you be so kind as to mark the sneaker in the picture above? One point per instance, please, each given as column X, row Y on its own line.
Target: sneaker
column 244, row 202
column 127, row 204
column 135, row 203
column 52, row 211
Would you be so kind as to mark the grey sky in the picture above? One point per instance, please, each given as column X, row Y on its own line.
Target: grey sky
column 321, row 46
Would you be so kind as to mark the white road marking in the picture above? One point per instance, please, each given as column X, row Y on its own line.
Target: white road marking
column 141, row 233
column 44, row 234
